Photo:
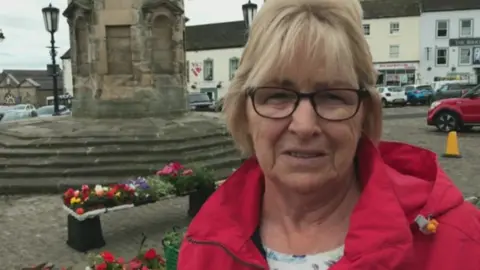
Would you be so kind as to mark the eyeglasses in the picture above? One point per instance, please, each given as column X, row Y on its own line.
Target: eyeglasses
column 333, row 104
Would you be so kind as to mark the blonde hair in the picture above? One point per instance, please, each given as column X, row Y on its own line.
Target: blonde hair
column 329, row 31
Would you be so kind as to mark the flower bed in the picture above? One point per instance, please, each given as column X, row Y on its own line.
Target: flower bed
column 147, row 258
column 173, row 180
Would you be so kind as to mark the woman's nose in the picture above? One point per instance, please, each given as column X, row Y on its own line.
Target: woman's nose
column 305, row 120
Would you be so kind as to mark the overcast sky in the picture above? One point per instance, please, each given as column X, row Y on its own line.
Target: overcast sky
column 26, row 39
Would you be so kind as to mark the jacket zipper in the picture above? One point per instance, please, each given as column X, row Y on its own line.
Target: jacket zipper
column 231, row 254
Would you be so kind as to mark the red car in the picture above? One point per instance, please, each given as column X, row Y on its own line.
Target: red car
column 458, row 114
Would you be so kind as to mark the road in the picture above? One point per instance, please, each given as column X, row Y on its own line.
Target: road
column 33, row 228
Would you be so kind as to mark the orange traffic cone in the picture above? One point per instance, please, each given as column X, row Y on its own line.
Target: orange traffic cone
column 452, row 150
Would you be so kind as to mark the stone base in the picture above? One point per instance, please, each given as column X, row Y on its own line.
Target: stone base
column 51, row 154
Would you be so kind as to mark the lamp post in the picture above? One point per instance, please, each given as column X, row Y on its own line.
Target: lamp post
column 50, row 18
column 249, row 10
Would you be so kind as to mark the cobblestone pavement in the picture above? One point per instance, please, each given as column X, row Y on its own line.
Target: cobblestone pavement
column 33, row 229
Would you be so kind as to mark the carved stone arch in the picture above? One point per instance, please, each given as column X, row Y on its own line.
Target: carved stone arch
column 9, row 98
column 162, row 44
column 81, row 45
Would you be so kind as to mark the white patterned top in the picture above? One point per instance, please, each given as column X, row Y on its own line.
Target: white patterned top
column 320, row 261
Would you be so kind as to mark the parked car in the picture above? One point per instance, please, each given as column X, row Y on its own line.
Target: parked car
column 462, row 113
column 200, row 102
column 452, row 90
column 15, row 115
column 392, row 95
column 418, row 94
column 27, row 108
column 49, row 110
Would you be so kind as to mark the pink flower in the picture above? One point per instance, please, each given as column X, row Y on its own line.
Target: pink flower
column 170, row 169
column 187, row 172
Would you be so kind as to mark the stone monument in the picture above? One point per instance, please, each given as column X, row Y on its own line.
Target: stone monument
column 130, row 107
column 128, row 58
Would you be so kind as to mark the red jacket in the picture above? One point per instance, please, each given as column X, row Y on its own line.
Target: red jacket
column 400, row 182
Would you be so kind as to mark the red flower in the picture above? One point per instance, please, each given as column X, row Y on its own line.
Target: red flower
column 120, row 260
column 144, row 268
column 69, row 193
column 135, row 264
column 85, row 188
column 150, row 254
column 102, row 266
column 107, row 257
column 111, row 193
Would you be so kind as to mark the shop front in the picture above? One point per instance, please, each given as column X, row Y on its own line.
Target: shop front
column 396, row 73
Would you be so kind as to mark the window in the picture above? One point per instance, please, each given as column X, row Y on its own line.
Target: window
column 441, row 57
column 442, row 29
column 394, row 28
column 366, row 29
column 466, row 27
column 208, row 70
column 233, row 66
column 465, row 56
column 394, row 51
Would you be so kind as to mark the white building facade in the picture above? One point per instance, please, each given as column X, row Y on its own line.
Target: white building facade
column 394, row 44
column 210, row 71
column 450, row 45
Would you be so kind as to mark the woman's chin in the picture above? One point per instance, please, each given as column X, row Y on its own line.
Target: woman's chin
column 305, row 182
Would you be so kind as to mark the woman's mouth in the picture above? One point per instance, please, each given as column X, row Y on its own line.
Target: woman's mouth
column 305, row 154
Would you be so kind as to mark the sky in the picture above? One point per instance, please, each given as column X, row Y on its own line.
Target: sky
column 26, row 40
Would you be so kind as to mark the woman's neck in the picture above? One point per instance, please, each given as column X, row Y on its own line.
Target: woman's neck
column 323, row 212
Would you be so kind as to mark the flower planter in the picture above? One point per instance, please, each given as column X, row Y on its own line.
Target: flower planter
column 86, row 234
column 197, row 198
column 171, row 257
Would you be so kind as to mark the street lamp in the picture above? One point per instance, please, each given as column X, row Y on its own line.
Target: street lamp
column 249, row 10
column 50, row 18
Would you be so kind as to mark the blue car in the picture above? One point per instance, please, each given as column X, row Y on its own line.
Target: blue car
column 418, row 94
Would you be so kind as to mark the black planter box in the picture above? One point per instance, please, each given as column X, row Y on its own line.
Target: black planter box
column 85, row 235
column 197, row 198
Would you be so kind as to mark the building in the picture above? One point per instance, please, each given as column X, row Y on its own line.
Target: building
column 450, row 40
column 392, row 30
column 213, row 56
column 27, row 86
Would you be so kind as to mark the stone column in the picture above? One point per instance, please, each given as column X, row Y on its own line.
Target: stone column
column 127, row 58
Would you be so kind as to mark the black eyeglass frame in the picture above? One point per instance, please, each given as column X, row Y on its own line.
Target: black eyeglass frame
column 362, row 94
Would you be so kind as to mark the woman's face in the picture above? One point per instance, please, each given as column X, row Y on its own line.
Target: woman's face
column 303, row 151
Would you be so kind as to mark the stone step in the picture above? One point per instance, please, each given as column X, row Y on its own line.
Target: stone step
column 127, row 170
column 38, row 185
column 109, row 150
column 59, row 161
column 62, row 142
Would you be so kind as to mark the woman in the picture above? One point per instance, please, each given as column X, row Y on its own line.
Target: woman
column 321, row 191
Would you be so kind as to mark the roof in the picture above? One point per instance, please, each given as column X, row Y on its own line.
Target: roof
column 377, row 9
column 216, row 36
column 35, row 77
column 449, row 5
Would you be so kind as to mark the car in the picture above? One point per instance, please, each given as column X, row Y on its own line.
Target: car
column 200, row 102
column 27, row 108
column 15, row 115
column 456, row 114
column 452, row 90
column 49, row 110
column 392, row 95
column 418, row 94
